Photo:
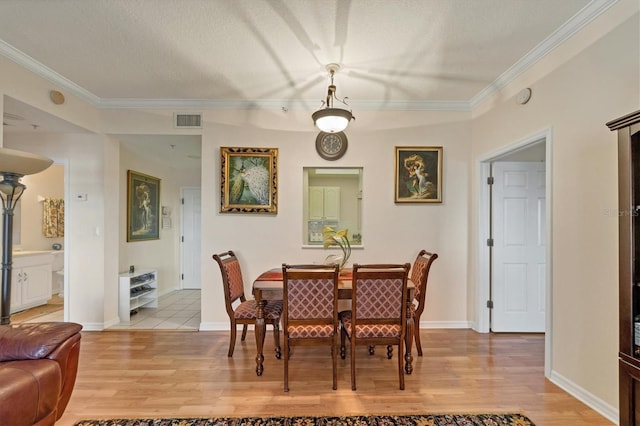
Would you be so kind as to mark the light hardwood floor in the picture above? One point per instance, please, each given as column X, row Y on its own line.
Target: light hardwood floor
column 187, row 373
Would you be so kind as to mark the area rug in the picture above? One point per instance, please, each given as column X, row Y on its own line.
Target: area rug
column 511, row 419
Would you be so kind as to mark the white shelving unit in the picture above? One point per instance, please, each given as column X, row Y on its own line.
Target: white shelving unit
column 137, row 290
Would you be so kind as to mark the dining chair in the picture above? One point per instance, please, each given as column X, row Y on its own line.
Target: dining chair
column 244, row 312
column 310, row 311
column 378, row 314
column 419, row 276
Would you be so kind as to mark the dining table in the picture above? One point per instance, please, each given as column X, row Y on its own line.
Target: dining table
column 268, row 286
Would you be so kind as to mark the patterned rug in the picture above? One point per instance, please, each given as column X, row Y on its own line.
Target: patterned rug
column 512, row 419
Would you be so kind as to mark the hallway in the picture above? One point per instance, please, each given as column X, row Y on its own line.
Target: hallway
column 178, row 310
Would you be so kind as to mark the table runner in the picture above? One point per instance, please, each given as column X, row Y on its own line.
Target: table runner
column 275, row 274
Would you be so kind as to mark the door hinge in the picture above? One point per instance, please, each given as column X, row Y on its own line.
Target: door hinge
column 182, row 277
column 490, row 180
column 490, row 242
column 490, row 304
column 182, row 201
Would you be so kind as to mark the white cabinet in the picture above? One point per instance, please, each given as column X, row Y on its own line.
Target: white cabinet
column 137, row 290
column 30, row 280
column 324, row 203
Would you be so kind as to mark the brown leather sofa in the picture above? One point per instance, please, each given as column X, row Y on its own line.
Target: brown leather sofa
column 38, row 367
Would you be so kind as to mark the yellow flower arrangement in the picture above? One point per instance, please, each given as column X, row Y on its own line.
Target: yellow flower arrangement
column 337, row 238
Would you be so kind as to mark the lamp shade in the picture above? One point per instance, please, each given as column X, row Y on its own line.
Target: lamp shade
column 22, row 163
column 332, row 120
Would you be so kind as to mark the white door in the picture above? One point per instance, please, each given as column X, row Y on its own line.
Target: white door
column 518, row 265
column 190, row 239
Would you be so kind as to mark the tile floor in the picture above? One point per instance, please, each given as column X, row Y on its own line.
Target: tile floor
column 178, row 310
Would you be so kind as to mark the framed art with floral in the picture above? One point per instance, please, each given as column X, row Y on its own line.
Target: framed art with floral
column 418, row 177
column 249, row 181
column 143, row 206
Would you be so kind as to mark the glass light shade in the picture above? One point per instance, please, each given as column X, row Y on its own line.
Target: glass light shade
column 22, row 163
column 332, row 120
column 11, row 187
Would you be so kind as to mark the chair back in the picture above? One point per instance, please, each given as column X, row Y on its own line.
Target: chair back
column 379, row 295
column 420, row 275
column 310, row 295
column 232, row 281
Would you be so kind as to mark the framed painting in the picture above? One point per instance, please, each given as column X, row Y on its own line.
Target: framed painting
column 418, row 177
column 249, row 182
column 143, row 207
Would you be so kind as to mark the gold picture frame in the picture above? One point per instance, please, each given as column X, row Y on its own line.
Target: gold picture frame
column 418, row 175
column 143, row 207
column 249, row 180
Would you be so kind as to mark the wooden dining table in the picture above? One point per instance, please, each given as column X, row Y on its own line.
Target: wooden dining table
column 268, row 286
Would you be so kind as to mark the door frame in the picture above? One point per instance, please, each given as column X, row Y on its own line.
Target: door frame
column 66, row 291
column 483, row 271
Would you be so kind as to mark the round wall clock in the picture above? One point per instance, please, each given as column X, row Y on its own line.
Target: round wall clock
column 331, row 146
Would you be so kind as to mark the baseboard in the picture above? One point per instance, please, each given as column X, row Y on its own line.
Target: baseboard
column 444, row 324
column 216, row 326
column 93, row 326
column 607, row 410
column 167, row 291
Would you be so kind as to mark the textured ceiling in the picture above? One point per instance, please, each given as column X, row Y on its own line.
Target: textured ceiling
column 417, row 54
column 276, row 50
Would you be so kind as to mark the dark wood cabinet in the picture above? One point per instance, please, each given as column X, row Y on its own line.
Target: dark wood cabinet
column 628, row 128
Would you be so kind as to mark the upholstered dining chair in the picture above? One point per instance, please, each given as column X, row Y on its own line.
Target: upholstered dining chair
column 310, row 311
column 378, row 314
column 419, row 276
column 244, row 312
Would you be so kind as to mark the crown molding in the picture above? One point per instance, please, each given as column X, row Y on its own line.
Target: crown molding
column 573, row 25
column 578, row 21
column 274, row 104
column 45, row 72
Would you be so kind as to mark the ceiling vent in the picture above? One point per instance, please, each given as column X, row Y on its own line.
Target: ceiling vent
column 187, row 121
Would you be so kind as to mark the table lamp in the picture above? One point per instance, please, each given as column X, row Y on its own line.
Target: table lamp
column 14, row 165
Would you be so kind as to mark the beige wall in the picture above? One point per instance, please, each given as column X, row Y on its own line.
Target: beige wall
column 392, row 233
column 576, row 89
column 575, row 100
column 92, row 300
column 47, row 184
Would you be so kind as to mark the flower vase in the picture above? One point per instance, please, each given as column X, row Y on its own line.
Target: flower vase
column 337, row 259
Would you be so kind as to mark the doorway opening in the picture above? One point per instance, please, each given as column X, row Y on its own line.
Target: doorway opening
column 41, row 242
column 534, row 148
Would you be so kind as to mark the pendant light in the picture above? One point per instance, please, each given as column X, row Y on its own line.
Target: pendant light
column 330, row 119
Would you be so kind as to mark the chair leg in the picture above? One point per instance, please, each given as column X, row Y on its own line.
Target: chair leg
column 244, row 332
column 353, row 362
column 343, row 338
column 372, row 350
column 286, row 363
column 276, row 338
column 334, row 358
column 416, row 335
column 389, row 351
column 400, row 366
column 232, row 340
